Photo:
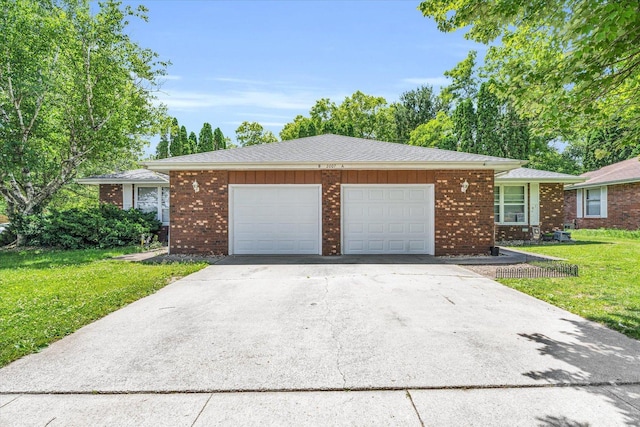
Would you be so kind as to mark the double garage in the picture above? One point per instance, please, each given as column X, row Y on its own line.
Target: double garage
column 288, row 219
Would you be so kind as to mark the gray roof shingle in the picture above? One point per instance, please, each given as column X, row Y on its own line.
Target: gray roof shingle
column 526, row 174
column 326, row 149
column 624, row 171
column 131, row 176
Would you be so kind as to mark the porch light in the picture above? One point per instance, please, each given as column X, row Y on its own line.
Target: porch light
column 195, row 185
column 464, row 186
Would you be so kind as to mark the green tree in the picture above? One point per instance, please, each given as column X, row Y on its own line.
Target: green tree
column 488, row 138
column 414, row 108
column 75, row 91
column 464, row 81
column 566, row 65
column 437, row 133
column 359, row 115
column 219, row 140
column 206, row 139
column 464, row 126
column 252, row 133
column 192, row 143
column 514, row 133
column 175, row 143
column 162, row 149
column 184, row 140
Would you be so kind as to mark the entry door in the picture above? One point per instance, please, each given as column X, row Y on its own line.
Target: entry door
column 274, row 219
column 387, row 219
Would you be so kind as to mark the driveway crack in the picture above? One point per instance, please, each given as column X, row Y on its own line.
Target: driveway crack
column 334, row 335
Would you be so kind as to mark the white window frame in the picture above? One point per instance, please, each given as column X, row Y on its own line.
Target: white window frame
column 159, row 206
column 501, row 204
column 583, row 202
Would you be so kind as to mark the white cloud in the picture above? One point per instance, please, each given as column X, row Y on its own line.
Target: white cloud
column 431, row 81
column 185, row 100
column 241, row 81
column 170, row 77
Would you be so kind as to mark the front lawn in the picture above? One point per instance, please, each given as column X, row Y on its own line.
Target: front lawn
column 608, row 288
column 45, row 295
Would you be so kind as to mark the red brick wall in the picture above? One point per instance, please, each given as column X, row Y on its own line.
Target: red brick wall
column 623, row 208
column 199, row 221
column 463, row 221
column 331, row 181
column 551, row 207
column 111, row 193
column 513, row 232
column 570, row 201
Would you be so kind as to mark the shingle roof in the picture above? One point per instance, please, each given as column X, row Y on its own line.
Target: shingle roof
column 624, row 171
column 127, row 177
column 332, row 149
column 526, row 174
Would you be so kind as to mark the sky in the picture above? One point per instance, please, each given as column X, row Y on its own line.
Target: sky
column 268, row 60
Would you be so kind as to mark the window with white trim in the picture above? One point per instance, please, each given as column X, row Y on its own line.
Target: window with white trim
column 510, row 204
column 154, row 199
column 592, row 201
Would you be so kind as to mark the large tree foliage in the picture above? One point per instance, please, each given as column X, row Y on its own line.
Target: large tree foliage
column 566, row 65
column 414, row 108
column 74, row 91
column 175, row 142
column 359, row 115
column 219, row 140
column 205, row 142
column 252, row 133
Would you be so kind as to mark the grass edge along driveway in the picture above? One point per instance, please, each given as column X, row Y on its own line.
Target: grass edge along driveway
column 607, row 290
column 46, row 294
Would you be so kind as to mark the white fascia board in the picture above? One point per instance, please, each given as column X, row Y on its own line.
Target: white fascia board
column 492, row 165
column 602, row 184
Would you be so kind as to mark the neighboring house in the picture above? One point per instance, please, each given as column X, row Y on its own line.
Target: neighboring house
column 335, row 195
column 608, row 198
column 529, row 202
column 140, row 188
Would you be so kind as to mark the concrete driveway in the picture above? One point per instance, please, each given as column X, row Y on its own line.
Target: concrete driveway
column 349, row 344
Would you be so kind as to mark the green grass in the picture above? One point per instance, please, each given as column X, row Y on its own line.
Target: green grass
column 608, row 288
column 45, row 295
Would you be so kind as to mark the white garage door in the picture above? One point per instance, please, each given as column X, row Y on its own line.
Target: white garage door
column 387, row 219
column 274, row 219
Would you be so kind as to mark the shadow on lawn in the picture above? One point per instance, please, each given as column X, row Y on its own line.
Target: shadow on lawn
column 600, row 356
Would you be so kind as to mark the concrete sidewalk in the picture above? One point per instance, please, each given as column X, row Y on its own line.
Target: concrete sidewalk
column 330, row 345
column 553, row 407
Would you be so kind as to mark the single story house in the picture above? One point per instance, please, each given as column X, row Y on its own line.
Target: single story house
column 335, row 195
column 141, row 189
column 608, row 198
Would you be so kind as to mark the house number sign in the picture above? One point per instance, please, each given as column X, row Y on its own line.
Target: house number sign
column 330, row 166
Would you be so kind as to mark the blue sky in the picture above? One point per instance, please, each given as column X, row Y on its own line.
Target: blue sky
column 268, row 61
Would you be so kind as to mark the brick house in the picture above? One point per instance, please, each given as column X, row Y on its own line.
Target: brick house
column 608, row 198
column 335, row 195
column 529, row 202
column 141, row 188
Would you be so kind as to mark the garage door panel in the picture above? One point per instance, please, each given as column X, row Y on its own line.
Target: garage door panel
column 388, row 219
column 275, row 219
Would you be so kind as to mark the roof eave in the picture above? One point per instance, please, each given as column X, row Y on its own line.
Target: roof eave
column 601, row 184
column 540, row 180
column 498, row 165
column 96, row 181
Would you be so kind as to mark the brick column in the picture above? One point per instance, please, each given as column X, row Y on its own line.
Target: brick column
column 331, row 212
column 464, row 223
column 199, row 220
column 551, row 207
